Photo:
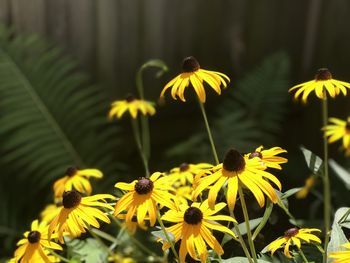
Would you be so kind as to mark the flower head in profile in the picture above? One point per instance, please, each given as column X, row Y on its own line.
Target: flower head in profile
column 143, row 196
column 309, row 184
column 322, row 84
column 76, row 179
column 79, row 213
column 194, row 75
column 33, row 247
column 339, row 130
column 186, row 172
column 294, row 236
column 131, row 105
column 238, row 170
column 341, row 256
column 269, row 157
column 193, row 225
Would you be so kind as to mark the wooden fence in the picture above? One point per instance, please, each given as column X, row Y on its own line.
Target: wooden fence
column 111, row 38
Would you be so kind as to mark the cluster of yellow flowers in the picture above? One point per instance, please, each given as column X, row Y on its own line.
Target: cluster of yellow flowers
column 186, row 197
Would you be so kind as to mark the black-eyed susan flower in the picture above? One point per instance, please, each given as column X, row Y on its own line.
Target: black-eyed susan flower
column 79, row 213
column 37, row 258
column 186, row 172
column 33, row 248
column 131, row 105
column 194, row 75
column 294, row 236
column 50, row 212
column 238, row 170
column 341, row 256
column 339, row 130
column 322, row 84
column 76, row 179
column 269, row 156
column 133, row 225
column 193, row 226
column 142, row 198
column 304, row 191
column 183, row 194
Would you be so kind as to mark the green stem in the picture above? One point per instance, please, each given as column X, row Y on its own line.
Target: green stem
column 136, row 131
column 241, row 240
column 201, row 106
column 326, row 181
column 167, row 236
column 134, row 240
column 301, row 253
column 104, row 235
column 246, row 219
column 59, row 256
column 99, row 240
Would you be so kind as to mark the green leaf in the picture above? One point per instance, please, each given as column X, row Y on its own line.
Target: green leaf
column 337, row 237
column 313, row 162
column 160, row 234
column 88, row 250
column 341, row 172
column 241, row 260
column 290, row 192
column 265, row 219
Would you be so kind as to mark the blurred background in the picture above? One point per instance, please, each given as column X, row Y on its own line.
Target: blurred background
column 63, row 62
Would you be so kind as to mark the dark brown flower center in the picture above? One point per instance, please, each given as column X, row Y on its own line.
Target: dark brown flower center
column 130, row 98
column 347, row 126
column 193, row 215
column 190, row 64
column 233, row 161
column 71, row 199
column 134, row 219
column 291, row 232
column 71, row 171
column 184, row 167
column 323, row 74
column 143, row 186
column 255, row 154
column 34, row 237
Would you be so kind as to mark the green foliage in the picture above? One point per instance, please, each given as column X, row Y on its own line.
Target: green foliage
column 50, row 118
column 88, row 251
column 251, row 115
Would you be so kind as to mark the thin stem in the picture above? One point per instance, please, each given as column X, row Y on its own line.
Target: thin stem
column 326, row 181
column 201, row 106
column 99, row 240
column 241, row 240
column 246, row 219
column 59, row 256
column 301, row 253
column 167, row 236
column 104, row 235
column 134, row 240
column 137, row 135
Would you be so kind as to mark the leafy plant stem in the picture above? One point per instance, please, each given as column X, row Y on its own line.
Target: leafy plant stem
column 137, row 135
column 201, row 106
column 99, row 240
column 241, row 240
column 59, row 256
column 301, row 253
column 246, row 219
column 326, row 181
column 135, row 241
column 167, row 236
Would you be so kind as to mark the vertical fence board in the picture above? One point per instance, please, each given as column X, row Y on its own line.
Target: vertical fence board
column 57, row 21
column 5, row 11
column 81, row 31
column 107, row 29
column 30, row 16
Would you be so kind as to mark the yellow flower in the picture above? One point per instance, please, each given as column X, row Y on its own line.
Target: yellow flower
column 76, row 179
column 193, row 224
column 132, row 105
column 194, row 75
column 133, row 225
column 341, row 256
column 322, row 84
column 117, row 258
column 309, row 183
column 183, row 193
column 50, row 212
column 142, row 198
column 186, row 172
column 33, row 247
column 269, row 156
column 293, row 236
column 339, row 129
column 236, row 170
column 79, row 213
